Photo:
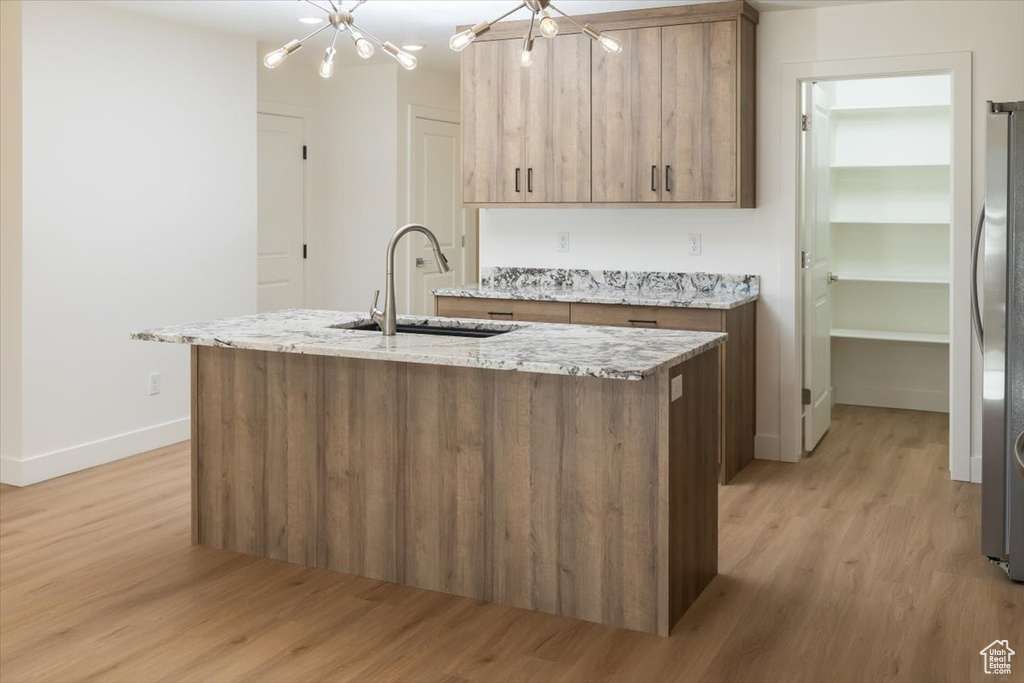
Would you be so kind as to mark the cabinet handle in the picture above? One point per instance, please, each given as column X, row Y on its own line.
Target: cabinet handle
column 652, row 323
column 503, row 314
column 529, row 180
column 654, row 178
column 517, row 180
column 668, row 178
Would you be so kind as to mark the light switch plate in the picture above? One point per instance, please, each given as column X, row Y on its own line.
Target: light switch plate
column 676, row 388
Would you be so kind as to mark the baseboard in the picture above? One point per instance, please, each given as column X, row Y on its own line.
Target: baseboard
column 976, row 469
column 884, row 397
column 58, row 463
column 767, row 447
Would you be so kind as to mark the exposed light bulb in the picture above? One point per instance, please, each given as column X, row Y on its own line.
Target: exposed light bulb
column 403, row 58
column 364, row 48
column 460, row 41
column 548, row 26
column 610, row 44
column 273, row 59
column 526, row 57
column 327, row 66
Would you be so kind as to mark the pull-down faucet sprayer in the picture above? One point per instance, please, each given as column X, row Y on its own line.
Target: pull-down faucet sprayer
column 386, row 319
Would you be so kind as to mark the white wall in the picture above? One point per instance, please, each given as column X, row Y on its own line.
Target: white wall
column 139, row 210
column 752, row 241
column 357, row 130
column 10, row 230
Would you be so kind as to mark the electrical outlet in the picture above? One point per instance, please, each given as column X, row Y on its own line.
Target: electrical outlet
column 694, row 245
column 563, row 241
column 154, row 383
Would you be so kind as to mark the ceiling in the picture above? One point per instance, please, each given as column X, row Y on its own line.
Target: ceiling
column 423, row 22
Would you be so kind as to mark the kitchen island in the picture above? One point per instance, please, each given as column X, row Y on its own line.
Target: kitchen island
column 567, row 469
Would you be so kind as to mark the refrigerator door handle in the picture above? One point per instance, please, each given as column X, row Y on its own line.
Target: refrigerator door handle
column 1018, row 453
column 975, row 307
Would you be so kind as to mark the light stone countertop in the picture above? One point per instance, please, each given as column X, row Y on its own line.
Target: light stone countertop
column 607, row 352
column 632, row 288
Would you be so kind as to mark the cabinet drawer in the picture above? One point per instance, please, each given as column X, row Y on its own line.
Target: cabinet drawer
column 647, row 316
column 503, row 309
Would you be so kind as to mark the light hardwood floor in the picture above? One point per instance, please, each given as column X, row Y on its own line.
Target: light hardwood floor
column 859, row 564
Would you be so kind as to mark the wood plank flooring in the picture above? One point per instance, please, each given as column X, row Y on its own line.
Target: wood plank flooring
column 859, row 564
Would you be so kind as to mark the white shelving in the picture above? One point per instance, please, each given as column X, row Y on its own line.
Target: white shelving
column 889, row 208
column 880, row 335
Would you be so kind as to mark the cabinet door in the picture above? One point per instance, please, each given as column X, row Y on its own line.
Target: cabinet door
column 627, row 118
column 558, row 120
column 493, row 99
column 699, row 112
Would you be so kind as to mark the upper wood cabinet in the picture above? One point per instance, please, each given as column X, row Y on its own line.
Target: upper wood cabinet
column 526, row 130
column 669, row 121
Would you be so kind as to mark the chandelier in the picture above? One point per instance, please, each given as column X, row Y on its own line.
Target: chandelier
column 341, row 20
column 548, row 29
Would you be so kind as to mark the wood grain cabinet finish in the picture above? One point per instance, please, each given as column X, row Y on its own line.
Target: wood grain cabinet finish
column 626, row 92
column 526, row 131
column 669, row 121
column 503, row 309
column 738, row 360
column 578, row 496
column 493, row 127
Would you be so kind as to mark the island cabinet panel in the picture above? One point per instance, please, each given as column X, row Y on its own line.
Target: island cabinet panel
column 627, row 118
column 503, row 309
column 578, row 496
column 738, row 356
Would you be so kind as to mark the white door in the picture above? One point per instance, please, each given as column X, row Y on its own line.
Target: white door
column 436, row 202
column 817, row 268
column 280, row 212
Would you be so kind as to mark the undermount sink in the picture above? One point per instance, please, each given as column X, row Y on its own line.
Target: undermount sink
column 436, row 330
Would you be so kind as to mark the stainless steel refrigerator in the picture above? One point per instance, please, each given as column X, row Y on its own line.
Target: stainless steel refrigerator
column 999, row 324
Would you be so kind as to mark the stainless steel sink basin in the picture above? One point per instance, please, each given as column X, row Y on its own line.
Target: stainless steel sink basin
column 435, row 330
column 480, row 330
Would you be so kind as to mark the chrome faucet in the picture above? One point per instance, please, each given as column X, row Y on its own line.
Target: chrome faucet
column 386, row 319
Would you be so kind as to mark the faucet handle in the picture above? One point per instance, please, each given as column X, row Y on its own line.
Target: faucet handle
column 373, row 307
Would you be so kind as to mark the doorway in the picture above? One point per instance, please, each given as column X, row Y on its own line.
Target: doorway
column 280, row 150
column 435, row 200
column 875, row 234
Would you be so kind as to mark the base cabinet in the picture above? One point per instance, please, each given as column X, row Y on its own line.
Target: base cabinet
column 737, row 367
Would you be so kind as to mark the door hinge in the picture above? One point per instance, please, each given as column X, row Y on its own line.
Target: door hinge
column 303, row 152
column 807, row 397
column 305, row 251
column 805, row 122
column 463, row 240
column 805, row 260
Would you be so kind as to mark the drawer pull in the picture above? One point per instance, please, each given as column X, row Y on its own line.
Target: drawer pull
column 652, row 323
column 501, row 313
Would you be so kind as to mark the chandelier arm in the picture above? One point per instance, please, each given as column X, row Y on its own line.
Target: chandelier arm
column 552, row 6
column 319, row 30
column 368, row 34
column 334, row 40
column 322, row 9
column 510, row 12
column 356, row 6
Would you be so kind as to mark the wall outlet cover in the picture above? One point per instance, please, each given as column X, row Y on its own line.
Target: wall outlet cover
column 563, row 241
column 694, row 243
column 154, row 383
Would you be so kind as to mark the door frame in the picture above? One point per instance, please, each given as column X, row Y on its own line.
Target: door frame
column 403, row 281
column 961, row 351
column 296, row 111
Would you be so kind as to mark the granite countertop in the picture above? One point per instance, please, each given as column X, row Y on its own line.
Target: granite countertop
column 676, row 290
column 608, row 352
